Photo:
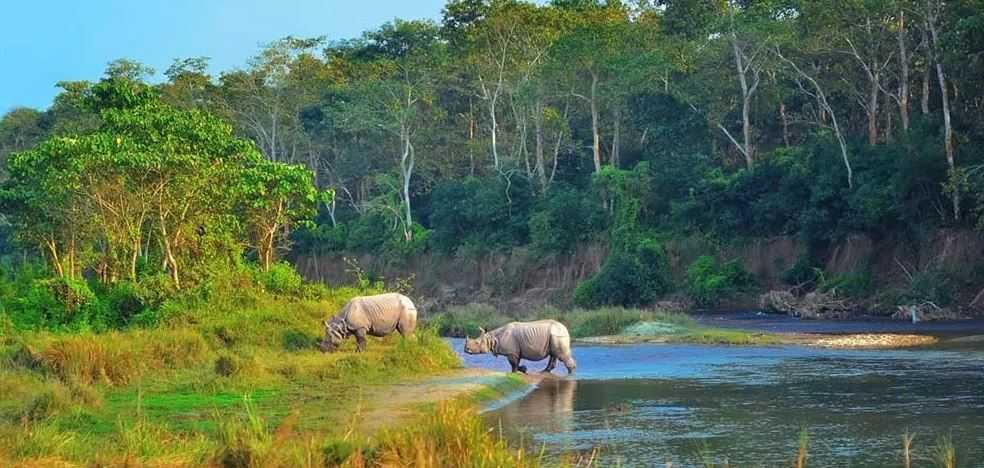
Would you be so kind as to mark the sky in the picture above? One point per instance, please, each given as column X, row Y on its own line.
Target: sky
column 43, row 42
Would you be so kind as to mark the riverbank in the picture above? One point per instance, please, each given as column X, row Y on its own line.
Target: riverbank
column 241, row 385
column 635, row 326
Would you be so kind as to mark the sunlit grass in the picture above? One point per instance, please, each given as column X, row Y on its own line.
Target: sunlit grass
column 170, row 396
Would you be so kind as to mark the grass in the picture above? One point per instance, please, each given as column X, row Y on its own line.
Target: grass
column 623, row 325
column 226, row 383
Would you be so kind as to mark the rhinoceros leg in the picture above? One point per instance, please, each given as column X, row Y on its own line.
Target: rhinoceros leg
column 550, row 365
column 360, row 340
column 514, row 363
column 569, row 363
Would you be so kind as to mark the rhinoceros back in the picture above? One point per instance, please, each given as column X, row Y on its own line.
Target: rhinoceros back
column 531, row 340
column 381, row 314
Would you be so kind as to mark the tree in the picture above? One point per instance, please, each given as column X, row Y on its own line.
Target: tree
column 152, row 181
column 401, row 62
column 274, row 196
column 934, row 12
column 20, row 129
column 593, row 37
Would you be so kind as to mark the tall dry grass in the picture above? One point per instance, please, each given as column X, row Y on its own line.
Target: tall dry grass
column 451, row 436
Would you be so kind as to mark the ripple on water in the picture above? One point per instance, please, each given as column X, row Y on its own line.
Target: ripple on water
column 748, row 405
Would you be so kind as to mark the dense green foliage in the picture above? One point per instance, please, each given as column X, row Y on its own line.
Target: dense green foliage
column 152, row 192
column 512, row 123
column 708, row 281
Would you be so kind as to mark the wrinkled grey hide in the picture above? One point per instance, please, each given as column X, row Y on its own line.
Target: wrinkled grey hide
column 378, row 315
column 533, row 341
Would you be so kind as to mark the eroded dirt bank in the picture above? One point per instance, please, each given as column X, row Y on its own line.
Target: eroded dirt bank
column 518, row 279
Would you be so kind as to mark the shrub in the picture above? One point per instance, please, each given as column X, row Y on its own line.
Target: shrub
column 337, row 451
column 122, row 302
column 804, row 271
column 281, row 279
column 297, row 340
column 480, row 214
column 368, row 233
column 855, row 284
column 462, row 321
column 932, row 285
column 59, row 302
column 227, row 365
column 708, row 281
column 628, row 278
column 563, row 219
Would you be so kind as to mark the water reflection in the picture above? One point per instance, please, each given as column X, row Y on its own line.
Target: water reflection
column 548, row 408
column 652, row 404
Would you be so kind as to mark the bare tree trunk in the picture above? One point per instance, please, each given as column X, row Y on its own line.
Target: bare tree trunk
column 933, row 12
column 406, row 171
column 821, row 98
column 55, row 259
column 873, row 111
column 926, row 73
column 595, row 131
column 747, row 91
column 904, row 73
column 471, row 136
column 889, row 120
column 538, row 130
column 169, row 259
column 495, row 133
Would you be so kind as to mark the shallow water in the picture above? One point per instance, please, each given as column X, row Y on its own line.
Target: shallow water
column 649, row 404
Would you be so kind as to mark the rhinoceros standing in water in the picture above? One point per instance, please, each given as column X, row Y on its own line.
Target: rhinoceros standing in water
column 532, row 341
column 377, row 315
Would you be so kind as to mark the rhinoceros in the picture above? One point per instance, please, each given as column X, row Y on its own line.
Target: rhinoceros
column 378, row 315
column 532, row 341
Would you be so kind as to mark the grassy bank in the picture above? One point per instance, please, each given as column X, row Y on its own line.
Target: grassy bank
column 615, row 323
column 236, row 382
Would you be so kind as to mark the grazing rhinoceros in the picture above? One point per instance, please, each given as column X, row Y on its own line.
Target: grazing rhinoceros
column 532, row 341
column 377, row 315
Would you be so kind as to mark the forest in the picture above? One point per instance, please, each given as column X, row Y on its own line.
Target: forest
column 512, row 124
column 641, row 173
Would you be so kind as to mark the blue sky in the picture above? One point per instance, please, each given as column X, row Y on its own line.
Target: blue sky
column 46, row 41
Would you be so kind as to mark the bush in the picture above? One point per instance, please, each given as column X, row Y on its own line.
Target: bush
column 856, row 284
column 337, row 451
column 227, row 365
column 564, row 218
column 479, row 215
column 628, row 278
column 462, row 321
column 61, row 303
column 933, row 285
column 708, row 281
column 804, row 271
column 368, row 233
column 281, row 279
column 297, row 340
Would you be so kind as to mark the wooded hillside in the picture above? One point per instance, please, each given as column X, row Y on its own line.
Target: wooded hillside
column 510, row 123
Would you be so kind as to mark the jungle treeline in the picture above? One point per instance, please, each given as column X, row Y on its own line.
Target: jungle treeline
column 509, row 123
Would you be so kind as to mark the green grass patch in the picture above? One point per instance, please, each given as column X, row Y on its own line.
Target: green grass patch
column 192, row 391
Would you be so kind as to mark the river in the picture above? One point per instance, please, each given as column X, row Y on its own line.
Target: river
column 646, row 405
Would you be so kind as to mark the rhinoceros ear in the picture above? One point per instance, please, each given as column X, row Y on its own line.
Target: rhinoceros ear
column 326, row 323
column 481, row 331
